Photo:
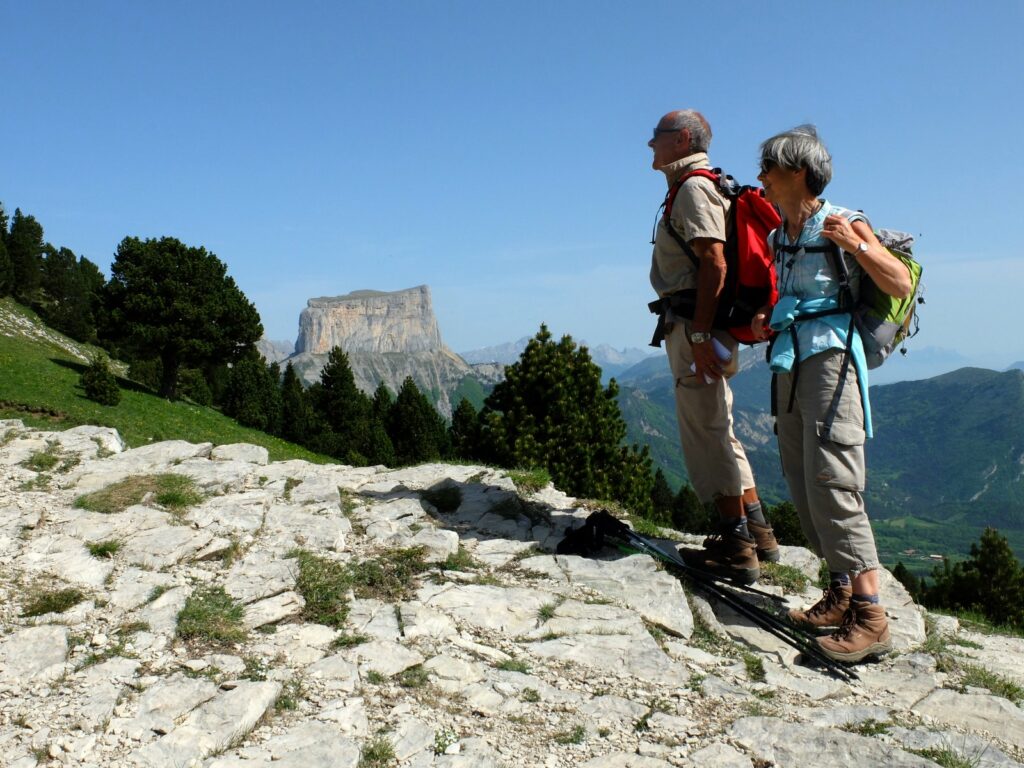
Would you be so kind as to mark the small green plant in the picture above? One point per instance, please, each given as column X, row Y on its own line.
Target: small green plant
column 979, row 677
column 604, row 732
column 446, row 498
column 869, row 727
column 375, row 677
column 574, row 736
column 255, row 669
column 155, row 593
column 42, row 461
column 346, row 640
column 754, row 666
column 231, row 553
column 444, row 737
column 514, row 665
column 947, row 758
column 324, row 584
column 104, row 548
column 289, row 484
column 211, row 615
column 390, row 577
column 55, row 601
column 530, row 695
column 414, row 677
column 291, row 694
column 99, row 383
column 173, row 492
column 785, row 576
column 377, row 754
column 696, row 683
column 530, row 480
column 547, row 612
column 460, row 561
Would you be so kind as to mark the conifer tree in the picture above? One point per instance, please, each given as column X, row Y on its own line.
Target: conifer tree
column 25, row 250
column 254, row 398
column 177, row 303
column 786, row 525
column 464, row 432
column 343, row 410
column 416, row 429
column 6, row 268
column 688, row 514
column 296, row 414
column 991, row 582
column 382, row 402
column 661, row 500
column 551, row 411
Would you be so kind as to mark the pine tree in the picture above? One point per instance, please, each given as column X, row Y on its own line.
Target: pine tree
column 464, row 432
column 177, row 303
column 786, row 525
column 6, row 267
column 25, row 250
column 903, row 575
column 382, row 402
column 990, row 581
column 296, row 414
column 254, row 397
column 343, row 410
column 551, row 411
column 688, row 514
column 416, row 429
column 661, row 500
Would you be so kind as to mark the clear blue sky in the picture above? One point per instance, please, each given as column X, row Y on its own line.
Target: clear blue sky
column 497, row 151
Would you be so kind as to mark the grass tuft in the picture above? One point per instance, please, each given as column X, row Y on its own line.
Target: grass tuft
column 173, row 492
column 530, row 480
column 574, row 736
column 377, row 754
column 56, row 601
column 104, row 548
column 211, row 616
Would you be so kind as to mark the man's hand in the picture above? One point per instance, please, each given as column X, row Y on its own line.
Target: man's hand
column 759, row 324
column 707, row 366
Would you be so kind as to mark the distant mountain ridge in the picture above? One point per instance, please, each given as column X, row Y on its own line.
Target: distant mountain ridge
column 611, row 361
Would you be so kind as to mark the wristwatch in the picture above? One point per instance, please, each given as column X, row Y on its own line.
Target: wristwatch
column 699, row 337
column 862, row 248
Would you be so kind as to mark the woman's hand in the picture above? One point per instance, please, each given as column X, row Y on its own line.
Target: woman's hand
column 839, row 230
column 889, row 273
column 759, row 324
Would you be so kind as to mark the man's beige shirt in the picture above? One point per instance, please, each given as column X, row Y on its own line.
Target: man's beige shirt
column 699, row 210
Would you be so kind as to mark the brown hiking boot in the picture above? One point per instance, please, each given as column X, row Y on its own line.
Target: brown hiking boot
column 732, row 556
column 863, row 632
column 764, row 542
column 828, row 611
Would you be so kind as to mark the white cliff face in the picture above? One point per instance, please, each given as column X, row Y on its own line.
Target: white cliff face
column 370, row 321
column 387, row 336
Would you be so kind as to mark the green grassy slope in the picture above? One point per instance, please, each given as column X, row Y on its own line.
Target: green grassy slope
column 39, row 385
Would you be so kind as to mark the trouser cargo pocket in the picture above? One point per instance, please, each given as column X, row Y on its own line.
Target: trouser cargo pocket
column 839, row 457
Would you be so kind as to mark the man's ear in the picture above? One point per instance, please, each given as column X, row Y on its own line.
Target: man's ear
column 683, row 138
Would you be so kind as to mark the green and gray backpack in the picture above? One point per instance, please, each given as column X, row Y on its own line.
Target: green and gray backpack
column 885, row 322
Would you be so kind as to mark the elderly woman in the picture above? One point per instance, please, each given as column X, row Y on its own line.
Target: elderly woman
column 820, row 388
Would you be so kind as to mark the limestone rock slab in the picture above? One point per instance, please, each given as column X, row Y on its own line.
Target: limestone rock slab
column 979, row 712
column 797, row 745
column 33, row 653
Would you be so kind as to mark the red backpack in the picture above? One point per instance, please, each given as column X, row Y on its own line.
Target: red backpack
column 750, row 265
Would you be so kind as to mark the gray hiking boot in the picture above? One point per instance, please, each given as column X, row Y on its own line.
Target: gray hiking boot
column 828, row 611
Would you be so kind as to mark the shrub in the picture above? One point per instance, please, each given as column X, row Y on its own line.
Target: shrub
column 99, row 383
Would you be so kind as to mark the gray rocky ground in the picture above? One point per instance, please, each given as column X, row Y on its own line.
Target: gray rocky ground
column 499, row 653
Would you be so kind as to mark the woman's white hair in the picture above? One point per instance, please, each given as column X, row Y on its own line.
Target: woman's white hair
column 798, row 148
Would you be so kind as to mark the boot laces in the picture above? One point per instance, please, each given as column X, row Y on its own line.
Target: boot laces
column 847, row 625
column 829, row 599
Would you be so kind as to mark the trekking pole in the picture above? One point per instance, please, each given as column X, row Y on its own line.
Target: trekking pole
column 767, row 621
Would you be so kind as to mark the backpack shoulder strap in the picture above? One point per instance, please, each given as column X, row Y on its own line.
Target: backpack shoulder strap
column 714, row 175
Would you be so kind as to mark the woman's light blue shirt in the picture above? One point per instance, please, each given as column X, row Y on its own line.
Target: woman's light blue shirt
column 810, row 280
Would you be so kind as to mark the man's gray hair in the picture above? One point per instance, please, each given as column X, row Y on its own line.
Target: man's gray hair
column 799, row 148
column 694, row 122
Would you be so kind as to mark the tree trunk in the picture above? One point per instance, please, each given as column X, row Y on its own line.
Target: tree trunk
column 169, row 381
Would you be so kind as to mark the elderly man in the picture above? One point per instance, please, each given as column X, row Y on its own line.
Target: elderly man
column 689, row 256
